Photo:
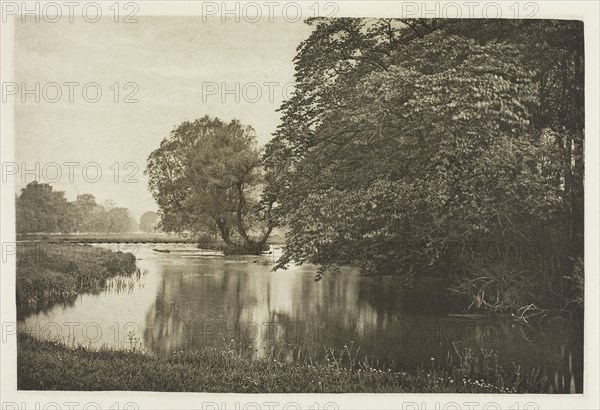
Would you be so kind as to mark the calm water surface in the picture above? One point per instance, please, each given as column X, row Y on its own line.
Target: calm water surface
column 189, row 299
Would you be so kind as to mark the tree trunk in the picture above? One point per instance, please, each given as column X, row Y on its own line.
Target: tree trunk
column 225, row 232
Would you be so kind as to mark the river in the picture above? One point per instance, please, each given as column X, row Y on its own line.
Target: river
column 189, row 299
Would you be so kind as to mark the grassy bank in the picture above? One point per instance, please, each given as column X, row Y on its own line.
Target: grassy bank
column 50, row 273
column 44, row 365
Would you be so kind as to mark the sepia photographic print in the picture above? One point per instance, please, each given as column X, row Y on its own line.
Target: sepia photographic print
column 299, row 205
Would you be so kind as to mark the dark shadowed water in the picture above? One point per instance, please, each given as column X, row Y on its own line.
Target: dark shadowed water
column 190, row 299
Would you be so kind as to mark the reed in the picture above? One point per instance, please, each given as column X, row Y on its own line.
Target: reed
column 49, row 273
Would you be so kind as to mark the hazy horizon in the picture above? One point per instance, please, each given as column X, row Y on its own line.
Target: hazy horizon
column 175, row 63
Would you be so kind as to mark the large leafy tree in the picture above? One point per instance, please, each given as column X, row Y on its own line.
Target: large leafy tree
column 205, row 176
column 86, row 211
column 119, row 220
column 149, row 221
column 409, row 144
column 41, row 209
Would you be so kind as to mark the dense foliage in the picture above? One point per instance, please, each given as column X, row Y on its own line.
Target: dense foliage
column 206, row 177
column 454, row 146
column 149, row 222
column 41, row 209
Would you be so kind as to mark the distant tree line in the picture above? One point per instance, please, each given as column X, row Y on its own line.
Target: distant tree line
column 41, row 209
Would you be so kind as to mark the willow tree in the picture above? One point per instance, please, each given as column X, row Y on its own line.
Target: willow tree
column 206, row 176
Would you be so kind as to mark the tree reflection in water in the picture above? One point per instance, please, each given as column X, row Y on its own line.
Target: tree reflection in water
column 208, row 303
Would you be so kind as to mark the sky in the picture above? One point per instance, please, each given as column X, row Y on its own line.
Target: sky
column 168, row 69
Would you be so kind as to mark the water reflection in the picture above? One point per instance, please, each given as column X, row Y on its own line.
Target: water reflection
column 189, row 302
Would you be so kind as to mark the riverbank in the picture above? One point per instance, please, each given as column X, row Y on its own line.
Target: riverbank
column 48, row 273
column 44, row 365
column 128, row 238
column 107, row 238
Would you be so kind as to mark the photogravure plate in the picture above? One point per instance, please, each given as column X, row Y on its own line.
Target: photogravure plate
column 165, row 164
